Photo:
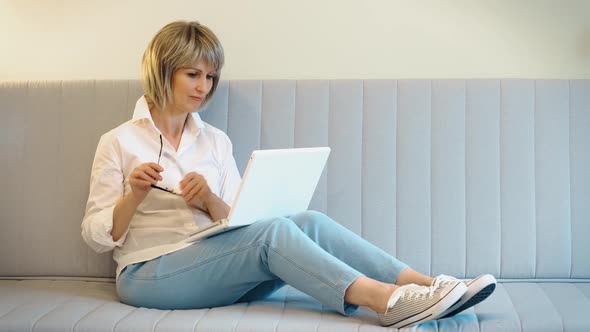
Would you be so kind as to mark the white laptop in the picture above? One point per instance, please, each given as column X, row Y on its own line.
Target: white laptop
column 276, row 183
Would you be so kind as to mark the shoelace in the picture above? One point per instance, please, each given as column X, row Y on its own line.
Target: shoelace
column 442, row 279
column 411, row 291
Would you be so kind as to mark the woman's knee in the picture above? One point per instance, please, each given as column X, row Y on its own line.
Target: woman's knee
column 309, row 217
column 279, row 225
column 298, row 224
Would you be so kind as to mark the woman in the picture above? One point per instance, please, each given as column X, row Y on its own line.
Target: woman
column 166, row 145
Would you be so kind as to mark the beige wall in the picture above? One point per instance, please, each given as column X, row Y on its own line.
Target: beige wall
column 264, row 39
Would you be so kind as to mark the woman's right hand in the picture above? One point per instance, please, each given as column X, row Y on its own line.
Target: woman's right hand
column 142, row 177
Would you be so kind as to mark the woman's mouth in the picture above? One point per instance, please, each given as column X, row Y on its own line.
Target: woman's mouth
column 195, row 98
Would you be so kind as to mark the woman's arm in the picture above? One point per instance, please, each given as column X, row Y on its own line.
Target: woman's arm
column 196, row 193
column 122, row 214
column 106, row 189
column 216, row 207
column 140, row 180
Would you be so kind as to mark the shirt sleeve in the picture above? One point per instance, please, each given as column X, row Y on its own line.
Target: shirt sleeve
column 106, row 188
column 230, row 177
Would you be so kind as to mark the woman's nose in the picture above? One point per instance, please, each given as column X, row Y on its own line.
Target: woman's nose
column 201, row 85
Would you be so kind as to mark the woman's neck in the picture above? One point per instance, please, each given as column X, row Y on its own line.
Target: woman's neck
column 171, row 124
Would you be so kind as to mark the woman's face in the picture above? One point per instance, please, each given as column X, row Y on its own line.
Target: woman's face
column 190, row 86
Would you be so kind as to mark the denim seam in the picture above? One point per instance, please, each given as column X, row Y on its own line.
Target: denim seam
column 317, row 277
column 340, row 304
column 195, row 265
column 332, row 286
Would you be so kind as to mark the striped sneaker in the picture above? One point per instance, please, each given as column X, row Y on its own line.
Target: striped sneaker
column 413, row 304
column 478, row 289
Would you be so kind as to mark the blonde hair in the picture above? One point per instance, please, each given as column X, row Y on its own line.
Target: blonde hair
column 178, row 44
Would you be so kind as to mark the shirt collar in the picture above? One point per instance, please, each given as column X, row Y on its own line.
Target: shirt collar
column 142, row 113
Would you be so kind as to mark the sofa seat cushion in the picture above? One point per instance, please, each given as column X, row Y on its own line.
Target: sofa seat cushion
column 44, row 305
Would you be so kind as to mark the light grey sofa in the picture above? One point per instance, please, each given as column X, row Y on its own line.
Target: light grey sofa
column 460, row 177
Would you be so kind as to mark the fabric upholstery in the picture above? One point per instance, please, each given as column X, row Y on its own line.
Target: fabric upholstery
column 454, row 176
column 90, row 306
column 460, row 177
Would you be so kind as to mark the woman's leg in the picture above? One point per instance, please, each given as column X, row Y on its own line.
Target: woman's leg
column 375, row 263
column 409, row 276
column 225, row 268
column 356, row 251
column 370, row 293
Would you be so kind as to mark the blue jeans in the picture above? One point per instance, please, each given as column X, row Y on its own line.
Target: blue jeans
column 308, row 251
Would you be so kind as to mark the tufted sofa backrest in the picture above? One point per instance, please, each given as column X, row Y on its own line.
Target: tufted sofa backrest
column 451, row 176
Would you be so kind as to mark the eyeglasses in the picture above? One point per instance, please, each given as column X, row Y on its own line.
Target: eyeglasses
column 158, row 187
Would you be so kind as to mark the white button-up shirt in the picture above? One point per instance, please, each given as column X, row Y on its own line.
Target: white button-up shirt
column 163, row 220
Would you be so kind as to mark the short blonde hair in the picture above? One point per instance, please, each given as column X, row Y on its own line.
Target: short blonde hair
column 178, row 44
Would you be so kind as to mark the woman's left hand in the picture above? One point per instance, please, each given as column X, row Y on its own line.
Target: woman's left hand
column 195, row 190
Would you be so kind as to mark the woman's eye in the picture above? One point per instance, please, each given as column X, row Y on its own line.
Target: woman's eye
column 210, row 77
column 192, row 75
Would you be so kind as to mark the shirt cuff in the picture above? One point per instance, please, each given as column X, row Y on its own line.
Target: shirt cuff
column 99, row 237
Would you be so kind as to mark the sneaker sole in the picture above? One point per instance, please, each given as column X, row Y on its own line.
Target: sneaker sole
column 475, row 299
column 438, row 308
